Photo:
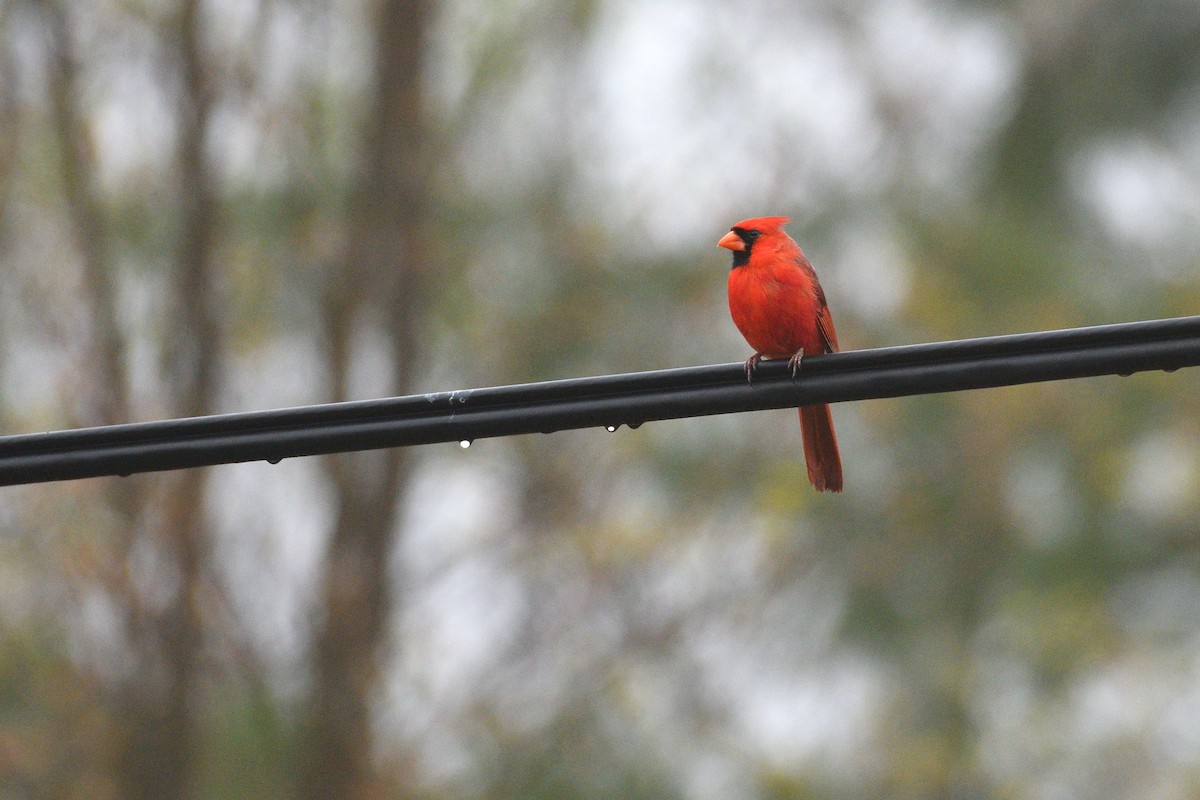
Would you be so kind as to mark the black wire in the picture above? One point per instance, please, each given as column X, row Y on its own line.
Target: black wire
column 603, row 401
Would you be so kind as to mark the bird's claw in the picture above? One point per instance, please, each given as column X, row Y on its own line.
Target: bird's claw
column 795, row 362
column 751, row 365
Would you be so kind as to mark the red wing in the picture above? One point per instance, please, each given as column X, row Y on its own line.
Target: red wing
column 806, row 277
column 825, row 326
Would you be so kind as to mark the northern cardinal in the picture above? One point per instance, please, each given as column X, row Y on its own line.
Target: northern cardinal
column 777, row 303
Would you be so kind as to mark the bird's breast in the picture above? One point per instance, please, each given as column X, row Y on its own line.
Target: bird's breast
column 777, row 314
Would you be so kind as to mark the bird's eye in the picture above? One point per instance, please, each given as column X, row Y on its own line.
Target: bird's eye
column 752, row 235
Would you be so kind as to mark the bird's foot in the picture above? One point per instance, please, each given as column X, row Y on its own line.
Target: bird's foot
column 751, row 365
column 795, row 362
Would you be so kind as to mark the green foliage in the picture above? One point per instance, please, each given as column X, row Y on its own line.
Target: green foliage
column 249, row 748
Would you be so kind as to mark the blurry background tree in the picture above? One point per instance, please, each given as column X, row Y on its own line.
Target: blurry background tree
column 237, row 204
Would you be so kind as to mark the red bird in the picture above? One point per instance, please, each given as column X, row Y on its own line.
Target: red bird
column 777, row 303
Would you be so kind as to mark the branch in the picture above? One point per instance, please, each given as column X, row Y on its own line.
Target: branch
column 603, row 401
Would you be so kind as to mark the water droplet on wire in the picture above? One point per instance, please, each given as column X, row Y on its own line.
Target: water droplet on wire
column 464, row 444
column 611, row 428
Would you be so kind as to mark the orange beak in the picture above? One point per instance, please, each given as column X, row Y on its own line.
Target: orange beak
column 731, row 241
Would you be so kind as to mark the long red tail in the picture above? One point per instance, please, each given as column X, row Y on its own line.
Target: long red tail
column 820, row 448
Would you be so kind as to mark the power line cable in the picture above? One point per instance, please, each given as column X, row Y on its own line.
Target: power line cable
column 607, row 401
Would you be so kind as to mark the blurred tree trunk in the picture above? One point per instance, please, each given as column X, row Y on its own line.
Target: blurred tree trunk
column 161, row 763
column 154, row 703
column 10, row 138
column 109, row 403
column 379, row 284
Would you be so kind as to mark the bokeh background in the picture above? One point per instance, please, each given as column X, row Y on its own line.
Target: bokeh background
column 227, row 205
